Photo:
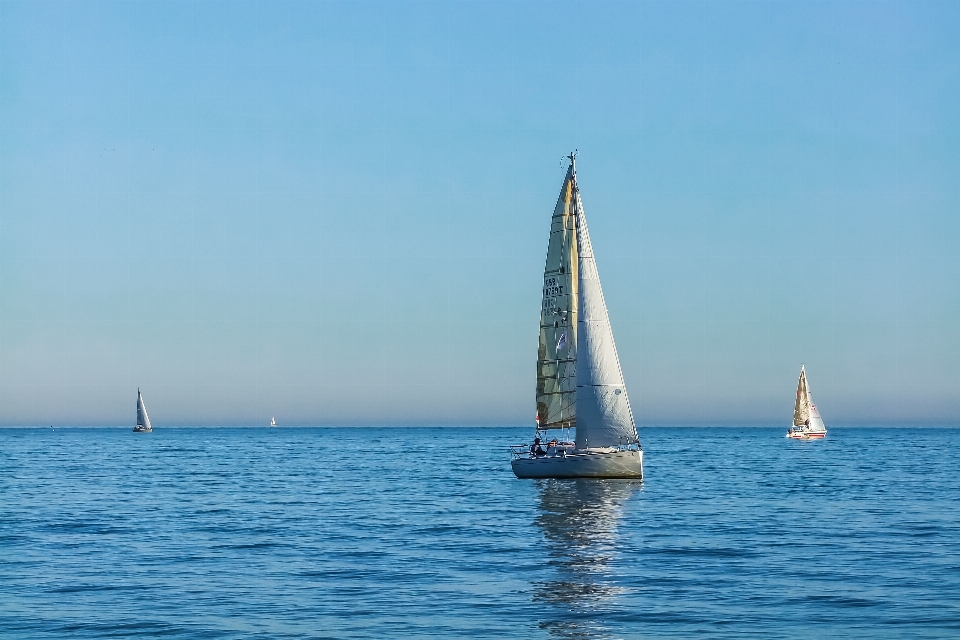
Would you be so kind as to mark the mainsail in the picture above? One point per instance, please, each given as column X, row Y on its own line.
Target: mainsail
column 143, row 420
column 557, row 354
column 801, row 411
column 604, row 416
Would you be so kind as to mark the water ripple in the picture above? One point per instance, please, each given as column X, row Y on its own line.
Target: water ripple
column 358, row 533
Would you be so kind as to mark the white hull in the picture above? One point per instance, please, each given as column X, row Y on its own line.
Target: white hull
column 614, row 464
column 139, row 429
column 806, row 435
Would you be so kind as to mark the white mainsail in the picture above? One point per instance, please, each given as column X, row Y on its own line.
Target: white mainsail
column 143, row 420
column 604, row 416
column 557, row 353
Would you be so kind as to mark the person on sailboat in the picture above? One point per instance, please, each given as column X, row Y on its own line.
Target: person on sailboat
column 536, row 449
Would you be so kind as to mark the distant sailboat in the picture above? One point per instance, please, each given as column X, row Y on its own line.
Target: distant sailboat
column 273, row 422
column 807, row 423
column 143, row 420
column 579, row 381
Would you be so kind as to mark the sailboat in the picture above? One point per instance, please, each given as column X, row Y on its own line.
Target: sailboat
column 807, row 423
column 143, row 420
column 579, row 381
column 273, row 422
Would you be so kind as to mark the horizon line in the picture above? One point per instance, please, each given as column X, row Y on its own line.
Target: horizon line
column 653, row 425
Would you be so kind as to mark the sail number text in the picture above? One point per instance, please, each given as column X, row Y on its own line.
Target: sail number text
column 552, row 287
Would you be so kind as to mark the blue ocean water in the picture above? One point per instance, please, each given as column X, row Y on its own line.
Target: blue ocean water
column 376, row 532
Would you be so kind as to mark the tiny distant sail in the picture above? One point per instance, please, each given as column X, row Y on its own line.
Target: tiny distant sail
column 143, row 420
column 604, row 415
column 801, row 411
column 557, row 353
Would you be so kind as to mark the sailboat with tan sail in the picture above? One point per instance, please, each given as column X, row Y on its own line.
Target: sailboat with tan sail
column 807, row 423
column 579, row 381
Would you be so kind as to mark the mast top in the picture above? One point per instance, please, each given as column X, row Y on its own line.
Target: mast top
column 573, row 160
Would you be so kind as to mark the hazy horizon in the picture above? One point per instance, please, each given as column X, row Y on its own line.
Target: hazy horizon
column 337, row 213
column 771, row 424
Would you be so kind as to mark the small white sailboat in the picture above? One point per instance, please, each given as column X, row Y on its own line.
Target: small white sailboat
column 579, row 381
column 807, row 424
column 273, row 422
column 143, row 420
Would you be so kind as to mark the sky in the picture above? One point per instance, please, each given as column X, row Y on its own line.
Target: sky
column 337, row 213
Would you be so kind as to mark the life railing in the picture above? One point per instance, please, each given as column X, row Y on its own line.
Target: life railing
column 523, row 450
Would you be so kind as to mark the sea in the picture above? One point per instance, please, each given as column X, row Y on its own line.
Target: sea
column 425, row 533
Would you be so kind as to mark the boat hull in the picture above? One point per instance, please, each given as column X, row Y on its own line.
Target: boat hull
column 806, row 436
column 615, row 464
column 142, row 430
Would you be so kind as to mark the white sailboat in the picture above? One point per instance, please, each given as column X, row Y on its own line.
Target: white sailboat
column 807, row 424
column 143, row 420
column 579, row 381
column 273, row 422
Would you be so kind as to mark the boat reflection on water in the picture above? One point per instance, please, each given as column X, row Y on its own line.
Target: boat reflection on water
column 579, row 520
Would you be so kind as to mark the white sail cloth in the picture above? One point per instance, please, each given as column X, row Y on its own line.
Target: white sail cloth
column 816, row 422
column 143, row 420
column 604, row 415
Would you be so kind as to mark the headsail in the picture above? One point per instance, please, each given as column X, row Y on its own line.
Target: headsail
column 556, row 356
column 801, row 411
column 604, row 415
column 816, row 422
column 143, row 420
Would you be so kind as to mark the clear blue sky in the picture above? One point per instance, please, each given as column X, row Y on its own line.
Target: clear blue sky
column 337, row 213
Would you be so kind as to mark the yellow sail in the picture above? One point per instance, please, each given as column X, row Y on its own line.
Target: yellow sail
column 557, row 354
